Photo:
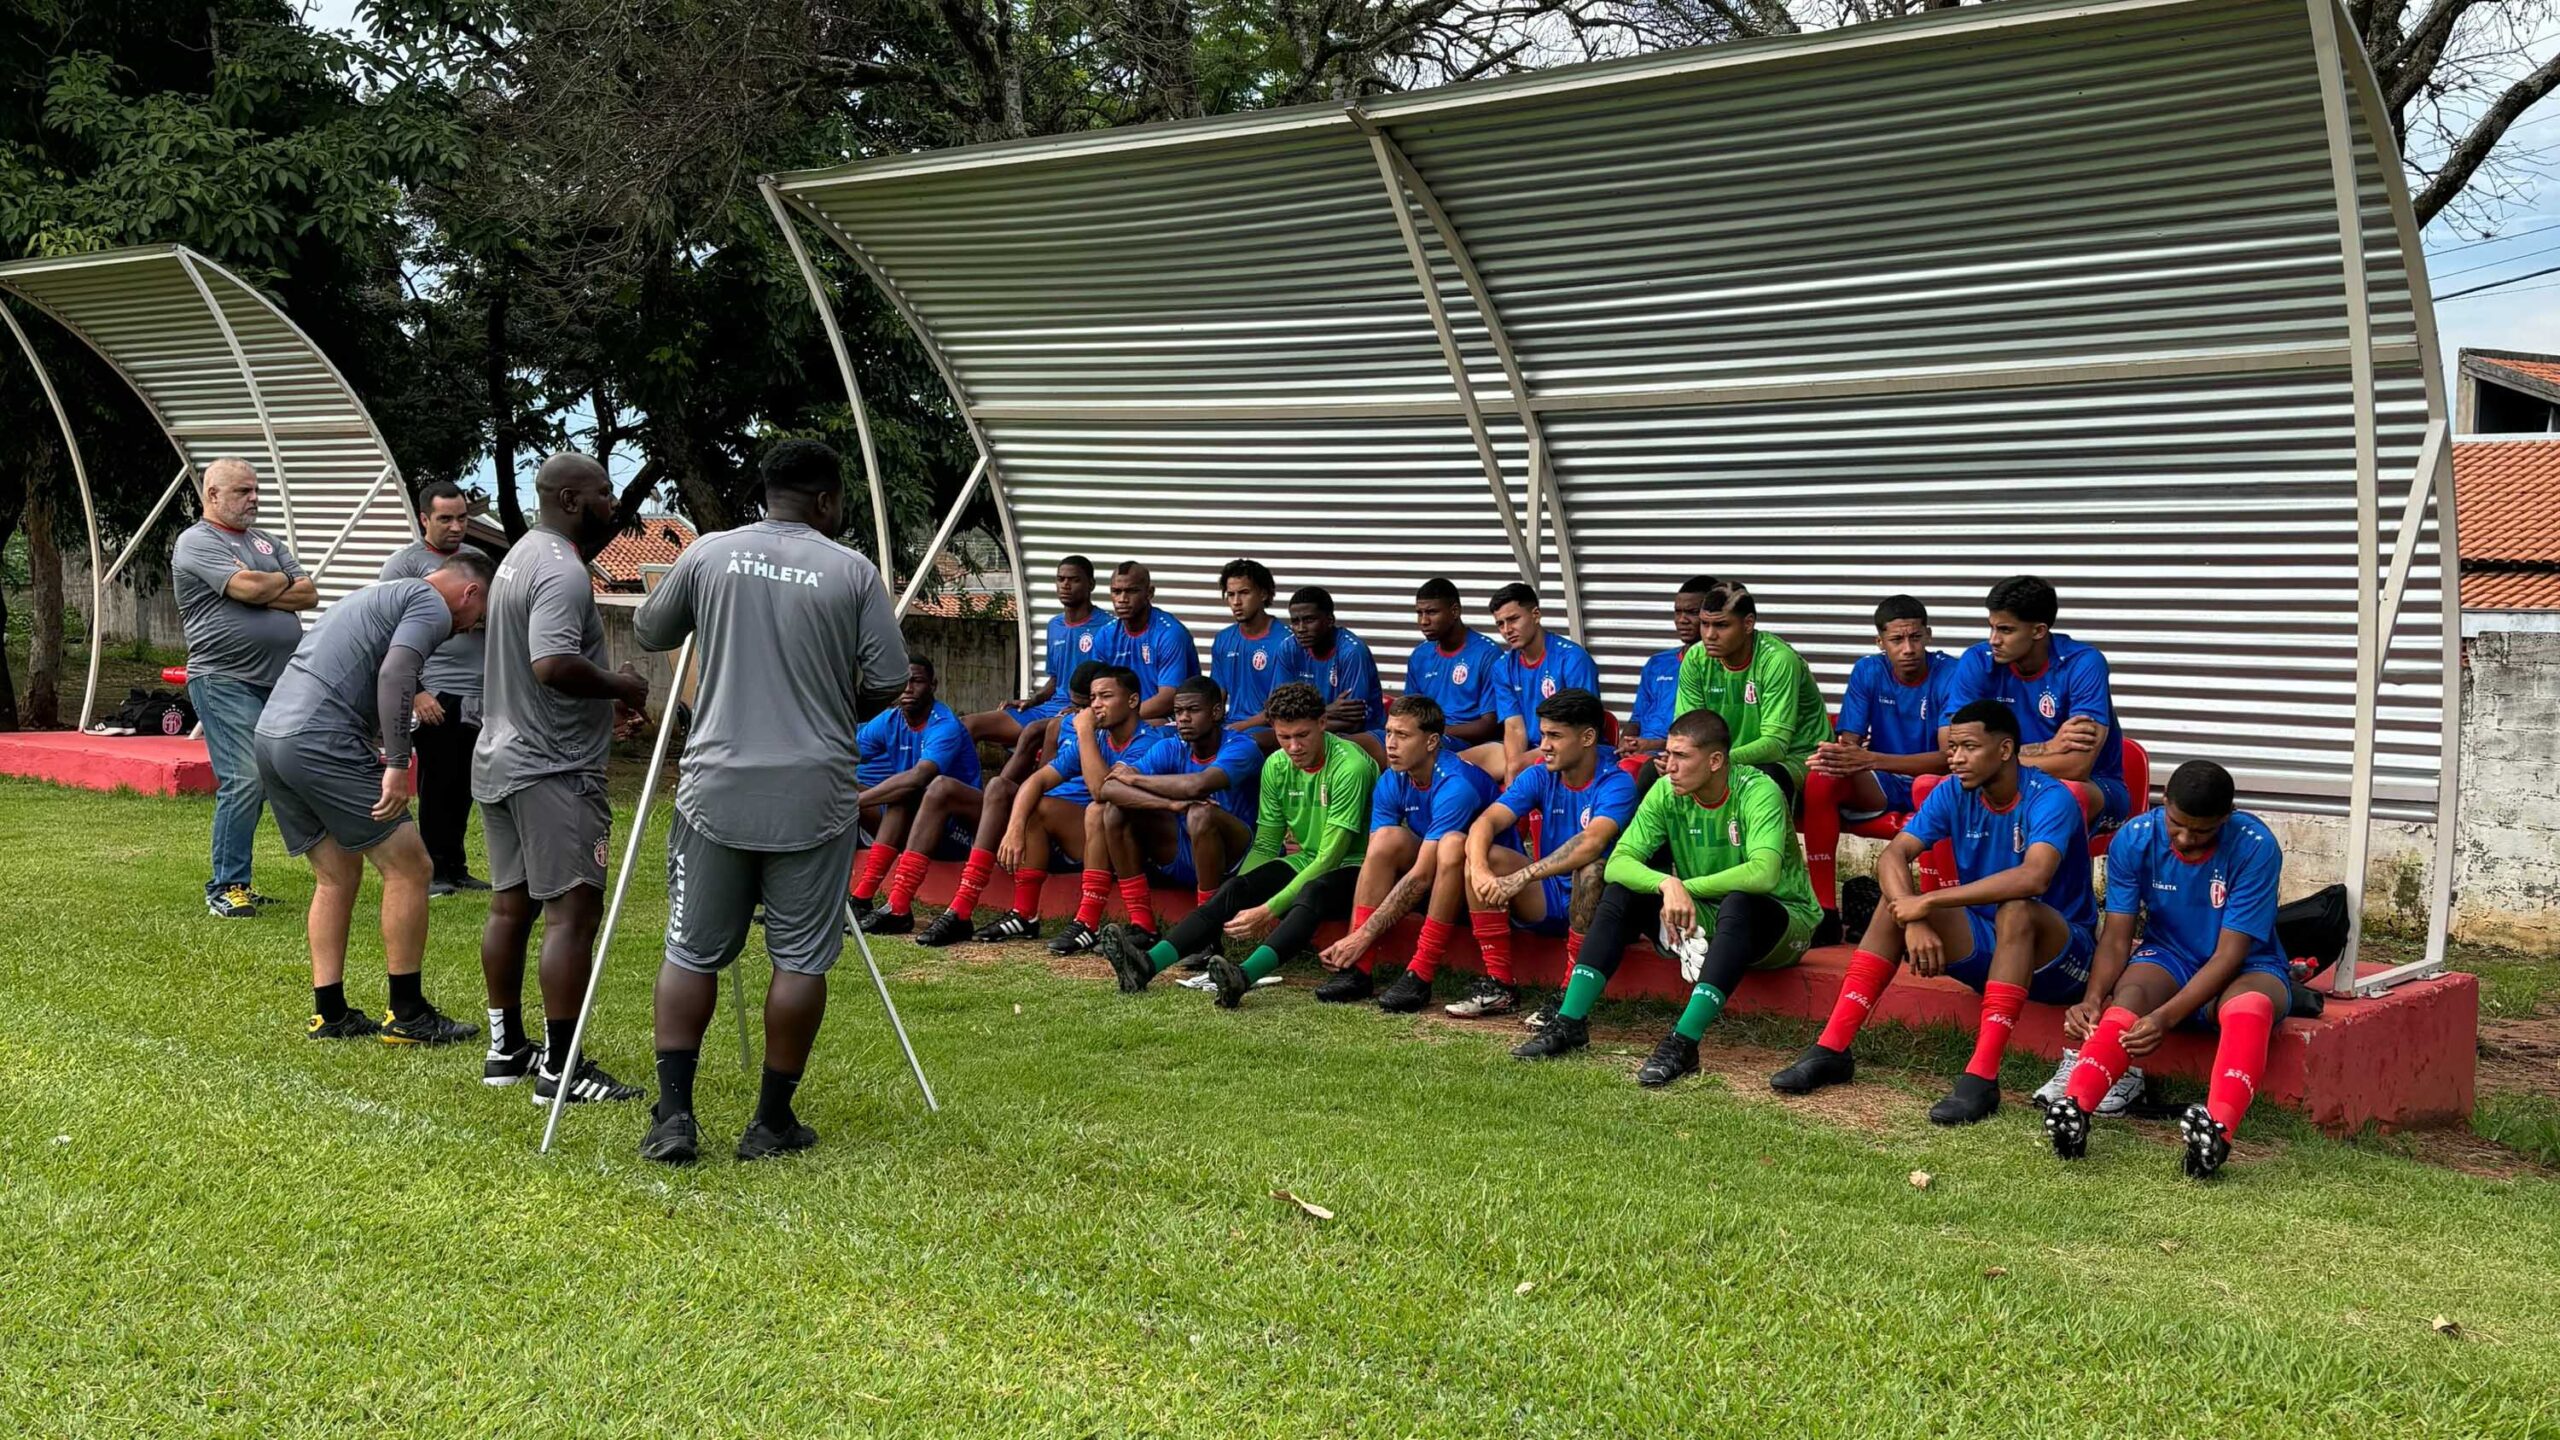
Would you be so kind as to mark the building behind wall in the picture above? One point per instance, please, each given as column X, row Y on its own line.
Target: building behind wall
column 2506, row 392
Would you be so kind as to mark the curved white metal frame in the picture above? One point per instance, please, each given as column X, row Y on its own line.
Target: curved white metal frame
column 195, row 269
column 2347, row 87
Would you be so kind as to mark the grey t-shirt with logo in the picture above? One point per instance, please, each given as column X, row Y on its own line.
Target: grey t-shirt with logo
column 542, row 604
column 793, row 628
column 455, row 667
column 329, row 683
column 227, row 637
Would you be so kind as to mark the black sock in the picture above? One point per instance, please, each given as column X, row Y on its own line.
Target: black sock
column 675, row 1080
column 556, row 1035
column 506, row 1031
column 329, row 1002
column 773, row 1103
column 406, row 999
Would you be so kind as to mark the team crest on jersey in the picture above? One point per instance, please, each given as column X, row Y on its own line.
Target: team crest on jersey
column 1733, row 832
column 263, row 547
column 1146, row 655
column 2220, row 892
column 1750, row 692
column 2044, row 704
column 2018, row 839
column 1085, row 643
column 1546, row 687
column 1332, row 675
column 1261, row 659
column 1586, row 814
column 1458, row 673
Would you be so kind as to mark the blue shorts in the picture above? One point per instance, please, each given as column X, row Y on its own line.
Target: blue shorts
column 2062, row 980
column 1559, row 892
column 2181, row 970
column 1054, row 705
column 2117, row 809
column 1897, row 789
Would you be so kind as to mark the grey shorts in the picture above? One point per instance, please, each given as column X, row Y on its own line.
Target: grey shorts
column 322, row 785
column 712, row 892
column 550, row 837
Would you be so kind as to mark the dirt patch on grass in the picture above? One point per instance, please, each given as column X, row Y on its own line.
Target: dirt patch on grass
column 2469, row 1153
column 2521, row 1057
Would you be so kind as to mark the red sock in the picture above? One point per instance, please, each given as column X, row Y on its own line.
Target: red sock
column 1436, row 935
column 1822, row 796
column 1572, row 947
column 1493, row 941
column 1206, row 895
column 1139, row 901
column 873, row 869
column 2248, row 1022
column 1360, row 916
column 906, row 880
column 2102, row 1058
column 1026, row 891
column 2001, row 1002
column 1868, row 974
column 973, row 882
column 1094, row 893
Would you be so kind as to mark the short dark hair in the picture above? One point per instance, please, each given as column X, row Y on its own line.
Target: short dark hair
column 1315, row 595
column 2202, row 789
column 1124, row 677
column 1731, row 597
column 1076, row 562
column 802, row 467
column 1252, row 570
column 1422, row 710
column 1899, row 607
column 2027, row 597
column 922, row 662
column 1703, row 728
column 1514, row 593
column 441, row 490
column 1438, row 588
column 1699, row 585
column 475, row 565
column 1131, row 567
column 1574, row 708
column 1080, row 679
column 1210, row 692
column 1991, row 715
column 1296, row 700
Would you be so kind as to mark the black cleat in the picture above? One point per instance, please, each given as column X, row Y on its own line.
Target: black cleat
column 948, row 928
column 1827, row 932
column 859, row 906
column 1198, row 963
column 428, row 1027
column 761, row 1143
column 2068, row 1125
column 1076, row 939
column 439, row 889
column 1973, row 1099
column 590, row 1085
column 1816, row 1067
column 506, row 1067
column 1232, row 981
column 672, row 1139
column 1676, row 1056
column 1130, row 963
column 354, row 1025
column 2208, row 1142
column 468, row 881
column 1486, row 998
column 1405, row 994
column 1012, row 927
column 1859, row 899
column 1540, row 1018
column 1344, row 986
column 1558, row 1036
column 884, row 921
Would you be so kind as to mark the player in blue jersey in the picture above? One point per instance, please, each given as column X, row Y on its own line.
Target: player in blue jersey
column 903, row 750
column 1255, row 654
column 2201, row 879
column 1887, row 734
column 1535, row 666
column 986, row 813
column 1146, row 640
column 1582, row 799
column 1454, row 666
column 1425, row 799
column 2020, row 924
column 1344, row 672
column 1180, row 809
column 1658, row 687
column 1070, row 640
column 2059, row 691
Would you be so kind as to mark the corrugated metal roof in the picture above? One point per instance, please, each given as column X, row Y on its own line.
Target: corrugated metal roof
column 2050, row 286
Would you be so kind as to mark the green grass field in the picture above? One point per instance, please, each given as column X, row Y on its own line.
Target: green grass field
column 216, row 1228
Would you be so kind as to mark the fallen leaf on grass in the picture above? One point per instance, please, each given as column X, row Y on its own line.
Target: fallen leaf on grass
column 1995, row 1272
column 1017, row 1009
column 1312, row 1208
column 1524, row 1287
column 1920, row 1179
column 2168, row 1247
column 2448, row 1328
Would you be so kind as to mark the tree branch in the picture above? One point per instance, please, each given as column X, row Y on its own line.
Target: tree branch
column 2467, row 156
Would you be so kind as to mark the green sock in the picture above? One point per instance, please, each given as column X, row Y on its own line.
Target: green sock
column 1581, row 992
column 1160, row 955
column 1705, row 1004
column 1261, row 962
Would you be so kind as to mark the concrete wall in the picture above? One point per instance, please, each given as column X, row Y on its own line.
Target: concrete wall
column 139, row 602
column 975, row 658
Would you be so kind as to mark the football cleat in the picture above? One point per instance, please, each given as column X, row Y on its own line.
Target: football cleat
column 1346, row 985
column 1131, row 965
column 429, row 1026
column 1676, row 1056
column 1559, row 1036
column 1076, row 939
column 1486, row 998
column 1816, row 1067
column 2068, row 1126
column 1973, row 1099
column 672, row 1139
column 506, row 1067
column 763, row 1143
column 591, row 1084
column 2208, row 1142
column 1011, row 927
column 354, row 1025
column 1231, row 981
column 948, row 928
column 1405, row 994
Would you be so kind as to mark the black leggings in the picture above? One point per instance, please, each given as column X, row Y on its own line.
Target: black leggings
column 1327, row 897
column 1744, row 929
column 444, row 787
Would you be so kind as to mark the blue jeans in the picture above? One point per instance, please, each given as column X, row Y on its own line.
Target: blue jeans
column 229, row 709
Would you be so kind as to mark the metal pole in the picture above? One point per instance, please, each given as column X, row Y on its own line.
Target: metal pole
column 353, row 520
column 88, row 513
column 844, row 367
column 941, row 537
column 621, row 888
column 257, row 398
column 133, row 546
column 862, row 942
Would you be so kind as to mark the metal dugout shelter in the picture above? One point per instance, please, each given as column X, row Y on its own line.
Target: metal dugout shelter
column 225, row 372
column 2126, row 293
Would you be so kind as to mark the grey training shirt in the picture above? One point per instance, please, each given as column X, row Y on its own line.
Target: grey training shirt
column 227, row 637
column 455, row 667
column 542, row 604
column 793, row 628
column 329, row 685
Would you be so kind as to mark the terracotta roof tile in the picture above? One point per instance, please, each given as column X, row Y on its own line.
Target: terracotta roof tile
column 2546, row 371
column 658, row 541
column 2511, row 590
column 2508, row 494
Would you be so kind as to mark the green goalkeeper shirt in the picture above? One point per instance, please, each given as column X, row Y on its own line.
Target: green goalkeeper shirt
column 1747, row 845
column 1772, row 705
column 1326, row 812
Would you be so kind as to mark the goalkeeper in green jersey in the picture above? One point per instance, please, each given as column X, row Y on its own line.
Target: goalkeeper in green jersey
column 1759, row 684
